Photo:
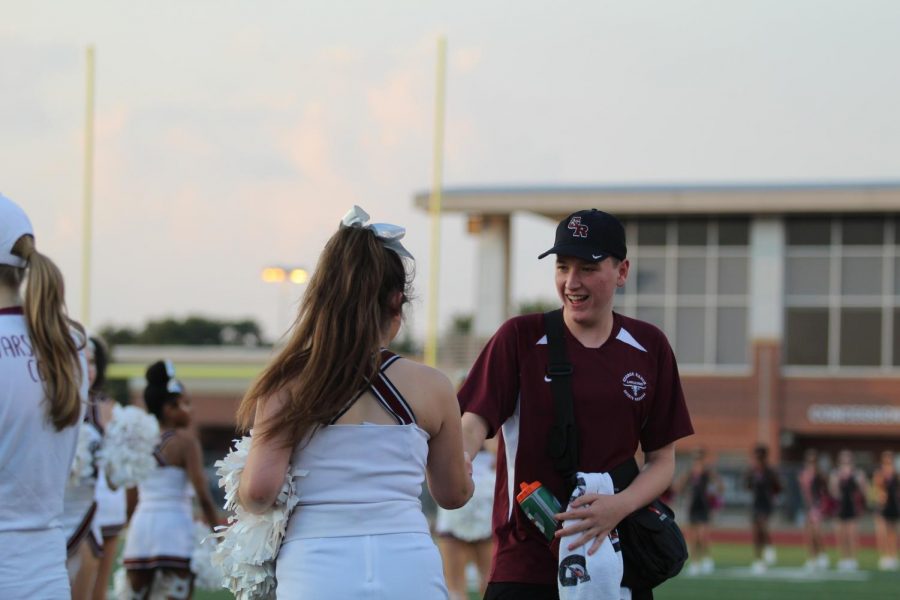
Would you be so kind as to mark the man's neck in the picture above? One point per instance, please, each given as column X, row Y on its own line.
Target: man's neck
column 591, row 335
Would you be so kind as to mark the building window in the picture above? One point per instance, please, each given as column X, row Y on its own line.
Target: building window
column 842, row 292
column 690, row 278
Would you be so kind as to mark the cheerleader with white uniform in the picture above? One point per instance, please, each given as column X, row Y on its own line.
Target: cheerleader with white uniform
column 160, row 541
column 464, row 534
column 361, row 429
column 43, row 390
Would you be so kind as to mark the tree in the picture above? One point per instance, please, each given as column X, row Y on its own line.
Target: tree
column 539, row 305
column 192, row 331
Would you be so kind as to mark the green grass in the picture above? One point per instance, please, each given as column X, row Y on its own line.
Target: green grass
column 785, row 581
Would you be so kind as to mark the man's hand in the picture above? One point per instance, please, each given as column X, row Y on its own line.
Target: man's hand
column 598, row 514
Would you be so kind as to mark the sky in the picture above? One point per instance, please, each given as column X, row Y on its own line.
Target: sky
column 231, row 135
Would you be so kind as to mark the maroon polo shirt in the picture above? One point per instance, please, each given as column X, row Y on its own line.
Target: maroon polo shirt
column 627, row 392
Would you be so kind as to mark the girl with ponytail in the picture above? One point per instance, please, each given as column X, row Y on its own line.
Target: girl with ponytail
column 157, row 553
column 358, row 426
column 43, row 390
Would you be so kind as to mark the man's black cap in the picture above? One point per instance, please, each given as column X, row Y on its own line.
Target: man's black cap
column 590, row 235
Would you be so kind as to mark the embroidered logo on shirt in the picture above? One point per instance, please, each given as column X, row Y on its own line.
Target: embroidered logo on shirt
column 634, row 386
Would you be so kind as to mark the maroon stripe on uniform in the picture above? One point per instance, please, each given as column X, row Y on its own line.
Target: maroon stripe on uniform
column 80, row 531
column 157, row 562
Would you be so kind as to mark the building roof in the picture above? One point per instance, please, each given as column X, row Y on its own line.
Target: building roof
column 667, row 199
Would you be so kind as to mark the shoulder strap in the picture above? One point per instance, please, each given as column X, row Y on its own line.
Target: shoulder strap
column 562, row 444
column 386, row 393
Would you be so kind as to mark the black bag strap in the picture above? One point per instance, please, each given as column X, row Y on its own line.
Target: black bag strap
column 562, row 444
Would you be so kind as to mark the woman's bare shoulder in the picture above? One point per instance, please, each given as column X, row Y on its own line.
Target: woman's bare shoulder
column 419, row 374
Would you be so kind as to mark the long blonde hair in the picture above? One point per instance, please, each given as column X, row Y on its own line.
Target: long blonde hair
column 51, row 331
column 333, row 352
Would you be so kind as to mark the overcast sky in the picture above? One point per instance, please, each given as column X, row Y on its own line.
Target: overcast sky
column 235, row 134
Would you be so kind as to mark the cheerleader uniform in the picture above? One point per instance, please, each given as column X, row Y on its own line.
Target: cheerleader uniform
column 111, row 514
column 850, row 501
column 161, row 532
column 358, row 530
column 891, row 508
column 79, row 505
column 472, row 522
column 35, row 460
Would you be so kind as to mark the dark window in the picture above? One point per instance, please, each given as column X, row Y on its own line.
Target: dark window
column 813, row 231
column 652, row 232
column 862, row 231
column 861, row 336
column 806, row 336
column 692, row 232
column 734, row 232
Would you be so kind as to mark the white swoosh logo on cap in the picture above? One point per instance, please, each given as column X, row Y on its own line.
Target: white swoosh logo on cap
column 596, row 257
column 547, row 379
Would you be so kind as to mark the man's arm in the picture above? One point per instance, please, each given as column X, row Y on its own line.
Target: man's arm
column 601, row 513
column 475, row 430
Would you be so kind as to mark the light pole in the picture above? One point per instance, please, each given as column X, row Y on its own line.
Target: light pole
column 284, row 276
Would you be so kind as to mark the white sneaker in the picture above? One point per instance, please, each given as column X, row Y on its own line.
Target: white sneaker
column 769, row 555
column 847, row 564
column 707, row 565
column 693, row 569
column 823, row 562
column 888, row 563
column 758, row 567
column 810, row 565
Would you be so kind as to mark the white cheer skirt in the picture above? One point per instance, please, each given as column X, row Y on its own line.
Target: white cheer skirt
column 160, row 536
column 395, row 566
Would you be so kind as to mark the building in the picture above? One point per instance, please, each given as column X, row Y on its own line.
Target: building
column 782, row 301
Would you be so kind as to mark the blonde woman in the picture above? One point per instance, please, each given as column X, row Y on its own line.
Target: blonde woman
column 43, row 391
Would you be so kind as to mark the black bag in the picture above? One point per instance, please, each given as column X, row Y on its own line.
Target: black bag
column 653, row 548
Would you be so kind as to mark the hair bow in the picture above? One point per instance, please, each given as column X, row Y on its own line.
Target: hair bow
column 390, row 235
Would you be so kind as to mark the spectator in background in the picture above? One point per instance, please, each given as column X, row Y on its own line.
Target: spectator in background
column 764, row 483
column 817, row 505
column 704, row 490
column 886, row 492
column 848, row 485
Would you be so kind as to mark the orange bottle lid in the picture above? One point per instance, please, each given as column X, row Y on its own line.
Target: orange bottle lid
column 527, row 489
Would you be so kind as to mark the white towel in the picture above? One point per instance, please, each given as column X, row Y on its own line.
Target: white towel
column 598, row 576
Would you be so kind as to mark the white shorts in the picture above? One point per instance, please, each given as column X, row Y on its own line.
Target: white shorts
column 395, row 566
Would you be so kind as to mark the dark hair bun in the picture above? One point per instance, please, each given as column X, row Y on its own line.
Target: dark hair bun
column 158, row 373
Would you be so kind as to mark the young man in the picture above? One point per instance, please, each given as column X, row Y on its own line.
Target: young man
column 626, row 391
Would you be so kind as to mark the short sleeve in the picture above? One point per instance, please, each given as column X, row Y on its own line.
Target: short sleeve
column 668, row 419
column 491, row 388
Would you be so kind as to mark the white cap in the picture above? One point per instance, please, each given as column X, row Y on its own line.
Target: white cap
column 14, row 224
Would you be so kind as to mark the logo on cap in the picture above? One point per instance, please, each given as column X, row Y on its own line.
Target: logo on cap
column 578, row 230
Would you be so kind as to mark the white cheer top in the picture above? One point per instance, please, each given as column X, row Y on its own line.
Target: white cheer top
column 359, row 479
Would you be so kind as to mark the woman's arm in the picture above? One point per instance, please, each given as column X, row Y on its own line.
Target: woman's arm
column 193, row 464
column 267, row 462
column 449, row 469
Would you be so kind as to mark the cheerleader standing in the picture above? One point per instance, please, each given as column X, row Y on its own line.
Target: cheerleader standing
column 886, row 487
column 42, row 395
column 160, row 540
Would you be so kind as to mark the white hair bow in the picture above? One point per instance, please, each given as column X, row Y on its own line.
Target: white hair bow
column 390, row 235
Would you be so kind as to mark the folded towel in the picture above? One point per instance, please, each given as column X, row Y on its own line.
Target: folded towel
column 598, row 576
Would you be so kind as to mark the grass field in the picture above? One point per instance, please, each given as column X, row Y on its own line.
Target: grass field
column 786, row 581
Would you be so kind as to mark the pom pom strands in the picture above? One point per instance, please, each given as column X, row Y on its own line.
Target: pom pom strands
column 83, row 464
column 128, row 446
column 248, row 546
column 207, row 576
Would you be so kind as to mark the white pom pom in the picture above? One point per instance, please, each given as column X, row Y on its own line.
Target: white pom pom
column 127, row 453
column 207, row 576
column 86, row 448
column 248, row 546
